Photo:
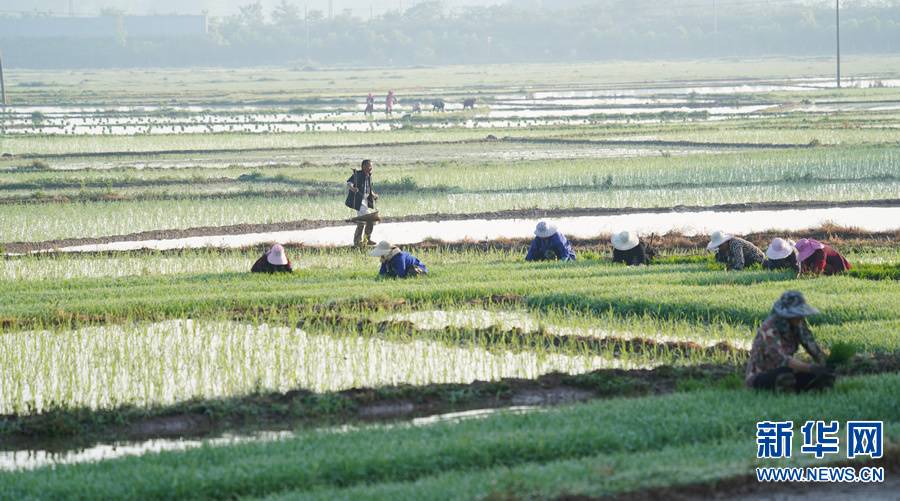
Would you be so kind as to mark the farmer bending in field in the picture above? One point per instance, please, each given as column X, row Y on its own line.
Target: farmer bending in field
column 818, row 258
column 781, row 255
column 396, row 263
column 772, row 365
column 631, row 250
column 734, row 252
column 272, row 261
column 361, row 194
column 549, row 245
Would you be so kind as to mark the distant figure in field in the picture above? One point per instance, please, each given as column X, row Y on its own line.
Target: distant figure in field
column 631, row 250
column 781, row 255
column 396, row 263
column 417, row 107
column 736, row 253
column 437, row 105
column 272, row 261
column 389, row 102
column 370, row 104
column 818, row 258
column 549, row 245
column 772, row 365
column 469, row 103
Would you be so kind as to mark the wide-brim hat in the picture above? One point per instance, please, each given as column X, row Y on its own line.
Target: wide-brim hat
column 625, row 241
column 382, row 249
column 718, row 238
column 276, row 255
column 779, row 249
column 545, row 229
column 806, row 247
column 792, row 304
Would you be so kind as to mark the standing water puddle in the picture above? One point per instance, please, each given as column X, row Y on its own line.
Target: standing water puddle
column 688, row 223
column 30, row 459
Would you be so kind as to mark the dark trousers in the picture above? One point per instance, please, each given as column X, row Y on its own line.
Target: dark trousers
column 360, row 229
column 805, row 380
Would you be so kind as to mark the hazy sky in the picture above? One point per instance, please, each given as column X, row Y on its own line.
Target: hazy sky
column 361, row 8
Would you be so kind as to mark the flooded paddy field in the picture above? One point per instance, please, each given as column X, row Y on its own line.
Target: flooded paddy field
column 131, row 329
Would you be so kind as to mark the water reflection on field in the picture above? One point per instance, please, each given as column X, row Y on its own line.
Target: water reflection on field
column 30, row 459
column 172, row 361
column 505, row 110
column 686, row 222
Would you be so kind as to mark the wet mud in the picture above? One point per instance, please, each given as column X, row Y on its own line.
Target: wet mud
column 533, row 213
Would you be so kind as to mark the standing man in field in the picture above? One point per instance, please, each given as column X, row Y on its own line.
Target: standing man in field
column 361, row 193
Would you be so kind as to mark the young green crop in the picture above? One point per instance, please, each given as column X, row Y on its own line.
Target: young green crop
column 505, row 446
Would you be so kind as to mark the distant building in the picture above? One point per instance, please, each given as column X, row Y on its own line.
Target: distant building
column 102, row 27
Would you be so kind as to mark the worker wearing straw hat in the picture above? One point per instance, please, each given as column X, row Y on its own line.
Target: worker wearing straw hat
column 816, row 257
column 396, row 263
column 629, row 249
column 736, row 253
column 549, row 245
column 781, row 255
column 772, row 365
column 273, row 260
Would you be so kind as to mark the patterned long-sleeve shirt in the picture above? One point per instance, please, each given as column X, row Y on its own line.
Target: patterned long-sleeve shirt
column 773, row 348
column 786, row 263
column 740, row 254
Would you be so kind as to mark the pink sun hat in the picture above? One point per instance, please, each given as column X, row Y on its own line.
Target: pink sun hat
column 276, row 255
column 806, row 247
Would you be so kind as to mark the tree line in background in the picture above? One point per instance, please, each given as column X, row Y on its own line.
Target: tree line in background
column 427, row 34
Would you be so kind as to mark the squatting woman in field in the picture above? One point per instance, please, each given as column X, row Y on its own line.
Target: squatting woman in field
column 772, row 364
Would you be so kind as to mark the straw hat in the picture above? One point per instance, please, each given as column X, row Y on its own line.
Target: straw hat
column 382, row 249
column 806, row 247
column 545, row 229
column 624, row 241
column 792, row 304
column 779, row 249
column 276, row 255
column 718, row 238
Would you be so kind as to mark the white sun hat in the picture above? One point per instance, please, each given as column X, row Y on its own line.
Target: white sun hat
column 779, row 249
column 276, row 255
column 624, row 241
column 545, row 229
column 718, row 238
column 382, row 249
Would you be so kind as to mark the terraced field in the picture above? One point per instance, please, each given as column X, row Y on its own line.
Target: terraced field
column 491, row 378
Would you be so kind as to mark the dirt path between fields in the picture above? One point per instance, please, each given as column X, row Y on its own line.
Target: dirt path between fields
column 534, row 213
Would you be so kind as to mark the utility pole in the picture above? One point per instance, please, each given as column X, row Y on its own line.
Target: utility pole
column 330, row 7
column 306, row 21
column 258, row 13
column 837, row 10
column 2, row 85
column 71, row 8
column 715, row 29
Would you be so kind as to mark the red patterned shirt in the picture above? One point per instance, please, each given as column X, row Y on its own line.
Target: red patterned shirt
column 773, row 348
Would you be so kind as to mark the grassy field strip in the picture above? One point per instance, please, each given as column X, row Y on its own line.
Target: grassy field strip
column 479, row 172
column 502, row 448
column 64, row 266
column 689, row 292
column 568, row 325
column 601, row 475
column 178, row 360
